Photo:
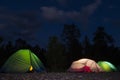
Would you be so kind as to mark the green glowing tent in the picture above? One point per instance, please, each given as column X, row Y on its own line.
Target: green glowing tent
column 107, row 66
column 23, row 61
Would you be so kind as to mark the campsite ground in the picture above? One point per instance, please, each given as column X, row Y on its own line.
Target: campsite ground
column 61, row 76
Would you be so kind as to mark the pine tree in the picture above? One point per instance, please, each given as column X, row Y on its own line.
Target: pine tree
column 55, row 55
column 101, row 41
column 71, row 36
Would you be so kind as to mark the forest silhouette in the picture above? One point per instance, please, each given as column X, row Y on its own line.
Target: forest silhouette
column 61, row 52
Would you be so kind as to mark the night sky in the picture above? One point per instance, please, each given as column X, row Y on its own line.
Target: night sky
column 37, row 20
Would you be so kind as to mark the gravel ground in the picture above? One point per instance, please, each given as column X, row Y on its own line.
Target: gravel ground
column 61, row 76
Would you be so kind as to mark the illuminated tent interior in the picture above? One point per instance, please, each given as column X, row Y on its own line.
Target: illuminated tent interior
column 82, row 64
column 107, row 66
column 23, row 61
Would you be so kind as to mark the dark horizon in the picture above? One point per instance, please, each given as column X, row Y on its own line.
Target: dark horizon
column 43, row 40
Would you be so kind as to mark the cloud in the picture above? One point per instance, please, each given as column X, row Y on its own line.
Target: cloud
column 111, row 7
column 2, row 26
column 24, row 20
column 115, row 22
column 87, row 11
column 27, row 25
column 111, row 21
column 53, row 14
column 90, row 9
column 25, row 34
column 114, row 7
column 21, row 24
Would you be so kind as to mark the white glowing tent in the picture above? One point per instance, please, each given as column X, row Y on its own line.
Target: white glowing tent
column 78, row 66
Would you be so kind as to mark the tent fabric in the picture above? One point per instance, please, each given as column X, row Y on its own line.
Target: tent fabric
column 107, row 66
column 87, row 69
column 83, row 69
column 84, row 65
column 22, row 61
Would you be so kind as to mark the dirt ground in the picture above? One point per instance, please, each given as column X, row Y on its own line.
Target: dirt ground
column 61, row 76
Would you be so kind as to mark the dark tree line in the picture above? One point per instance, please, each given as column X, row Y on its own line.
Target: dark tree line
column 61, row 52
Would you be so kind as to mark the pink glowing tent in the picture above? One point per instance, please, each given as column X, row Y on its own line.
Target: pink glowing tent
column 84, row 65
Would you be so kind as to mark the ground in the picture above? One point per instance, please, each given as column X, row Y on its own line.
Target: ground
column 61, row 76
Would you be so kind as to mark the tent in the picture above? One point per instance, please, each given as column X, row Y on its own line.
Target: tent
column 84, row 65
column 23, row 61
column 107, row 66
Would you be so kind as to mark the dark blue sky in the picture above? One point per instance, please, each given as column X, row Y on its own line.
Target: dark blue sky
column 46, row 18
